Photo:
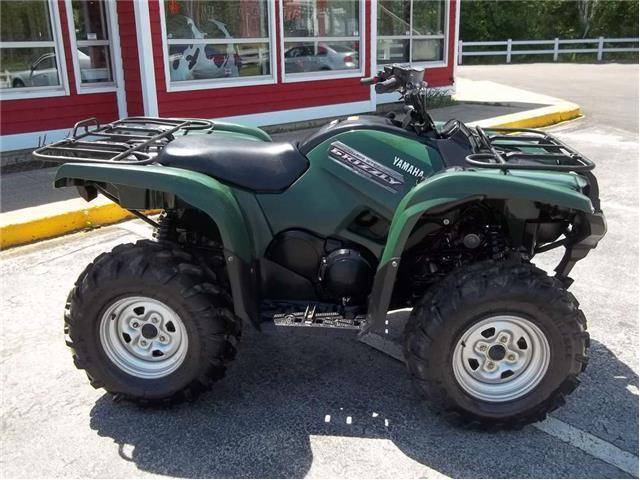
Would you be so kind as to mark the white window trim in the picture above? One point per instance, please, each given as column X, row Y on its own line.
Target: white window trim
column 99, row 87
column 444, row 37
column 42, row 92
column 213, row 83
column 324, row 75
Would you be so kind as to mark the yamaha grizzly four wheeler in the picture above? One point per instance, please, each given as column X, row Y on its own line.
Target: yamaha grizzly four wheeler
column 366, row 215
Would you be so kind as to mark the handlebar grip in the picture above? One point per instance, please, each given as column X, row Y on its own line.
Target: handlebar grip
column 368, row 81
column 387, row 86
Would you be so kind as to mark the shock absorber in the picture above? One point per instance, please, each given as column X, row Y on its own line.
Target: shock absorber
column 166, row 231
column 497, row 245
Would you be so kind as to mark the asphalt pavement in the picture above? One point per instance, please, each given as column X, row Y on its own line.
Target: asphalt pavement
column 607, row 92
column 318, row 403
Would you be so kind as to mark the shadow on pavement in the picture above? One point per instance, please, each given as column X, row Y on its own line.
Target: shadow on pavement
column 261, row 420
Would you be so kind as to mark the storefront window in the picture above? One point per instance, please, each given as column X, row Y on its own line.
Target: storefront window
column 321, row 35
column 28, row 51
column 217, row 39
column 93, row 49
column 411, row 31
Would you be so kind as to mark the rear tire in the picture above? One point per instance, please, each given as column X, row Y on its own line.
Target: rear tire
column 148, row 325
column 496, row 345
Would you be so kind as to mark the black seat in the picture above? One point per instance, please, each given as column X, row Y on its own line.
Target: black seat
column 264, row 167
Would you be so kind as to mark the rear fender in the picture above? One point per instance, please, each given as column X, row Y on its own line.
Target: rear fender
column 255, row 132
column 449, row 190
column 153, row 186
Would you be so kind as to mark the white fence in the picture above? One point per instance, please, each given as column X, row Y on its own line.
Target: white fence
column 599, row 50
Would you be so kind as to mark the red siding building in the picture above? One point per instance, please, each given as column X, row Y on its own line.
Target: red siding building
column 260, row 62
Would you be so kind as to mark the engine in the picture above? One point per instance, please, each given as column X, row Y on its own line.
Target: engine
column 309, row 267
column 345, row 273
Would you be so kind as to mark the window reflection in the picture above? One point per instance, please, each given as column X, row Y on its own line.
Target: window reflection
column 23, row 62
column 411, row 31
column 321, row 35
column 216, row 39
column 92, row 40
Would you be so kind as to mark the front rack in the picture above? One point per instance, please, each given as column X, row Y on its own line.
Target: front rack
column 530, row 150
column 130, row 141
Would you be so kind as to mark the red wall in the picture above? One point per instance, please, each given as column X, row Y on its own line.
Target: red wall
column 222, row 102
column 130, row 57
column 442, row 77
column 35, row 114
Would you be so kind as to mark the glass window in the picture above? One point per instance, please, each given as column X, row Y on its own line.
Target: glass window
column 28, row 55
column 321, row 35
column 93, row 47
column 411, row 31
column 216, row 39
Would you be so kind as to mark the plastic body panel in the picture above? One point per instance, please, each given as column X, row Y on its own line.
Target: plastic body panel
column 561, row 189
column 330, row 194
column 196, row 189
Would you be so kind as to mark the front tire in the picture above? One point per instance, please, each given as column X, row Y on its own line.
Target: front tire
column 148, row 325
column 496, row 345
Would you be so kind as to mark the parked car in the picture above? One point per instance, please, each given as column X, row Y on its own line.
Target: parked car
column 305, row 58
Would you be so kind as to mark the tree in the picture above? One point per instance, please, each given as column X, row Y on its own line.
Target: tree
column 545, row 19
column 586, row 9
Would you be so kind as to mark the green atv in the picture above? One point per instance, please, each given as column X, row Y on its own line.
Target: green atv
column 366, row 215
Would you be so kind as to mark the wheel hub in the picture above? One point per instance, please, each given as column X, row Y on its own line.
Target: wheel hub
column 501, row 358
column 143, row 337
column 496, row 352
column 149, row 331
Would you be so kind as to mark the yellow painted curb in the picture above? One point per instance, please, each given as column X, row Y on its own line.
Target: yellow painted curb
column 31, row 230
column 19, row 231
column 536, row 118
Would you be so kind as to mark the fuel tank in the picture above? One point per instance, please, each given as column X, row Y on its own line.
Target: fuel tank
column 360, row 169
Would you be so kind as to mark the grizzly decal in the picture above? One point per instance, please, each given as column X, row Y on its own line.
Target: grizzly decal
column 366, row 167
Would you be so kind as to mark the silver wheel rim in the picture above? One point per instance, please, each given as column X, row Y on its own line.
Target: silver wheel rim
column 143, row 337
column 501, row 358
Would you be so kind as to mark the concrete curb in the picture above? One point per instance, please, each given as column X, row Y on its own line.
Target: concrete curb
column 29, row 225
column 47, row 221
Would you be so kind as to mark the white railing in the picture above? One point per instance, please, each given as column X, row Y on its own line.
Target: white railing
column 600, row 50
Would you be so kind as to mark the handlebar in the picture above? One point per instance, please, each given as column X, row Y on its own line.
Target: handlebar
column 409, row 83
column 387, row 86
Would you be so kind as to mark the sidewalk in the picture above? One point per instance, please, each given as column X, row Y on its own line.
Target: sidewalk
column 29, row 197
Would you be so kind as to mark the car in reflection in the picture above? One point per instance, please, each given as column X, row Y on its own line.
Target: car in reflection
column 306, row 58
column 43, row 72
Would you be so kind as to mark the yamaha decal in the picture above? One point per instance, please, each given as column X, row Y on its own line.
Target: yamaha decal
column 366, row 167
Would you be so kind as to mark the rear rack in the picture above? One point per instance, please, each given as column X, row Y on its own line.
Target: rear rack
column 130, row 141
column 537, row 150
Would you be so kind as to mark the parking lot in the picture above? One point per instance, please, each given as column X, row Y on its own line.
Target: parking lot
column 318, row 403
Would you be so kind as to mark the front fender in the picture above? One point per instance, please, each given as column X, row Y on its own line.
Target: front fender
column 196, row 189
column 449, row 189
